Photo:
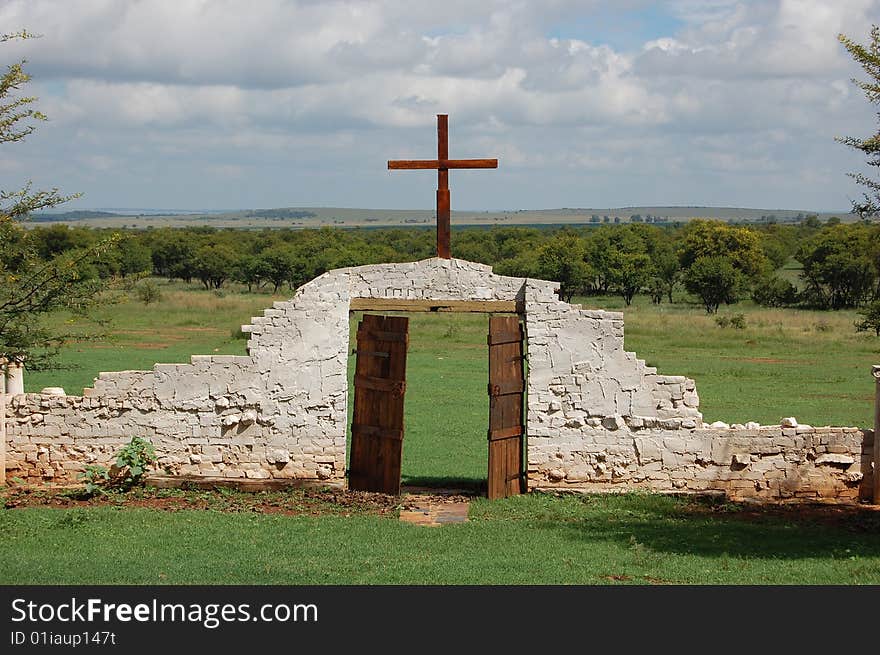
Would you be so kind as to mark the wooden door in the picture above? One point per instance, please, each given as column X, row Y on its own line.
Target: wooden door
column 379, row 386
column 506, row 389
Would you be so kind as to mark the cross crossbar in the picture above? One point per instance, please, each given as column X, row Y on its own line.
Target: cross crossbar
column 415, row 164
column 442, row 165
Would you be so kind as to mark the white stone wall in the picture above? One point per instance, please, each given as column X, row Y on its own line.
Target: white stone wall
column 281, row 411
column 771, row 461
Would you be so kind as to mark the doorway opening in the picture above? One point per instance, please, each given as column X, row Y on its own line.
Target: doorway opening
column 436, row 399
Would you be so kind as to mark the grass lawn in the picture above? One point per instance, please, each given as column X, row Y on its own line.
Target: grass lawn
column 812, row 365
column 534, row 539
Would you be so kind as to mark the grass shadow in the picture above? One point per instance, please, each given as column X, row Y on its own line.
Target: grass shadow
column 470, row 486
column 712, row 527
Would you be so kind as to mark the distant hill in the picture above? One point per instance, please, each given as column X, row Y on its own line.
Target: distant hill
column 77, row 215
column 305, row 217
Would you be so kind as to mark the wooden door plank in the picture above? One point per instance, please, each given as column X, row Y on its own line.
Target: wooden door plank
column 377, row 422
column 506, row 387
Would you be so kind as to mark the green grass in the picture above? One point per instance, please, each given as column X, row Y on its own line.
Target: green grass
column 187, row 321
column 808, row 364
column 534, row 539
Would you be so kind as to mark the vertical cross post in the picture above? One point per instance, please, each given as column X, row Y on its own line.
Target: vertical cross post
column 443, row 163
column 443, row 211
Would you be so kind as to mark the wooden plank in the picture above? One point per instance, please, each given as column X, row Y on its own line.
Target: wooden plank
column 435, row 164
column 383, row 335
column 469, row 163
column 380, row 384
column 504, row 337
column 506, row 433
column 504, row 388
column 462, row 306
column 377, row 422
column 412, row 164
column 378, row 432
column 371, row 353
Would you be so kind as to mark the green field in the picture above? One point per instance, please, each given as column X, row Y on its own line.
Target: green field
column 812, row 365
column 534, row 539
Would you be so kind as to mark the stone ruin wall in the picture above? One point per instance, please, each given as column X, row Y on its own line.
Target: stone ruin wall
column 598, row 418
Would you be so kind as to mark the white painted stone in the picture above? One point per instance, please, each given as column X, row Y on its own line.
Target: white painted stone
column 719, row 425
column 835, row 458
column 752, row 425
column 53, row 391
column 790, row 422
column 278, row 457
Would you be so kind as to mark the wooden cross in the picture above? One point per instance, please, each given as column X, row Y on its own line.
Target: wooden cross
column 442, row 164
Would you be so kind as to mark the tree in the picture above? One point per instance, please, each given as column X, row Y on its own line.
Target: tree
column 715, row 280
column 630, row 271
column 215, row 263
column 561, row 259
column 869, row 58
column 837, row 267
column 30, row 286
column 667, row 271
column 741, row 246
column 277, row 265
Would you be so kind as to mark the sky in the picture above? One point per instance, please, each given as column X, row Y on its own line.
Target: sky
column 223, row 104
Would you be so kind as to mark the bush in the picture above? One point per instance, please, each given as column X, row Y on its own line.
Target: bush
column 148, row 292
column 131, row 463
column 737, row 321
column 773, row 291
column 95, row 478
column 134, row 460
column 871, row 320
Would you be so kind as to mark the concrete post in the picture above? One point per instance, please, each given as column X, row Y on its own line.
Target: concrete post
column 2, row 421
column 875, row 371
column 14, row 378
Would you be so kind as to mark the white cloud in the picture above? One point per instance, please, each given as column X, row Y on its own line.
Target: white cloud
column 307, row 94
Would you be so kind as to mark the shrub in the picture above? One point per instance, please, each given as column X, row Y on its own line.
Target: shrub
column 871, row 320
column 134, row 460
column 95, row 478
column 737, row 321
column 148, row 292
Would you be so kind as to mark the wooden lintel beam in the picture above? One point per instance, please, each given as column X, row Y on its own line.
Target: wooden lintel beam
column 461, row 306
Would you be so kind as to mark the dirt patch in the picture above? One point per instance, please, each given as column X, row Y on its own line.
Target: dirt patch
column 293, row 502
column 856, row 518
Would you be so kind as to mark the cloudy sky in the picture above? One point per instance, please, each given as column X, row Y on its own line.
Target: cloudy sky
column 271, row 103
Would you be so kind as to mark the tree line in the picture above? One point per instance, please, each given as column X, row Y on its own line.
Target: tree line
column 716, row 262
